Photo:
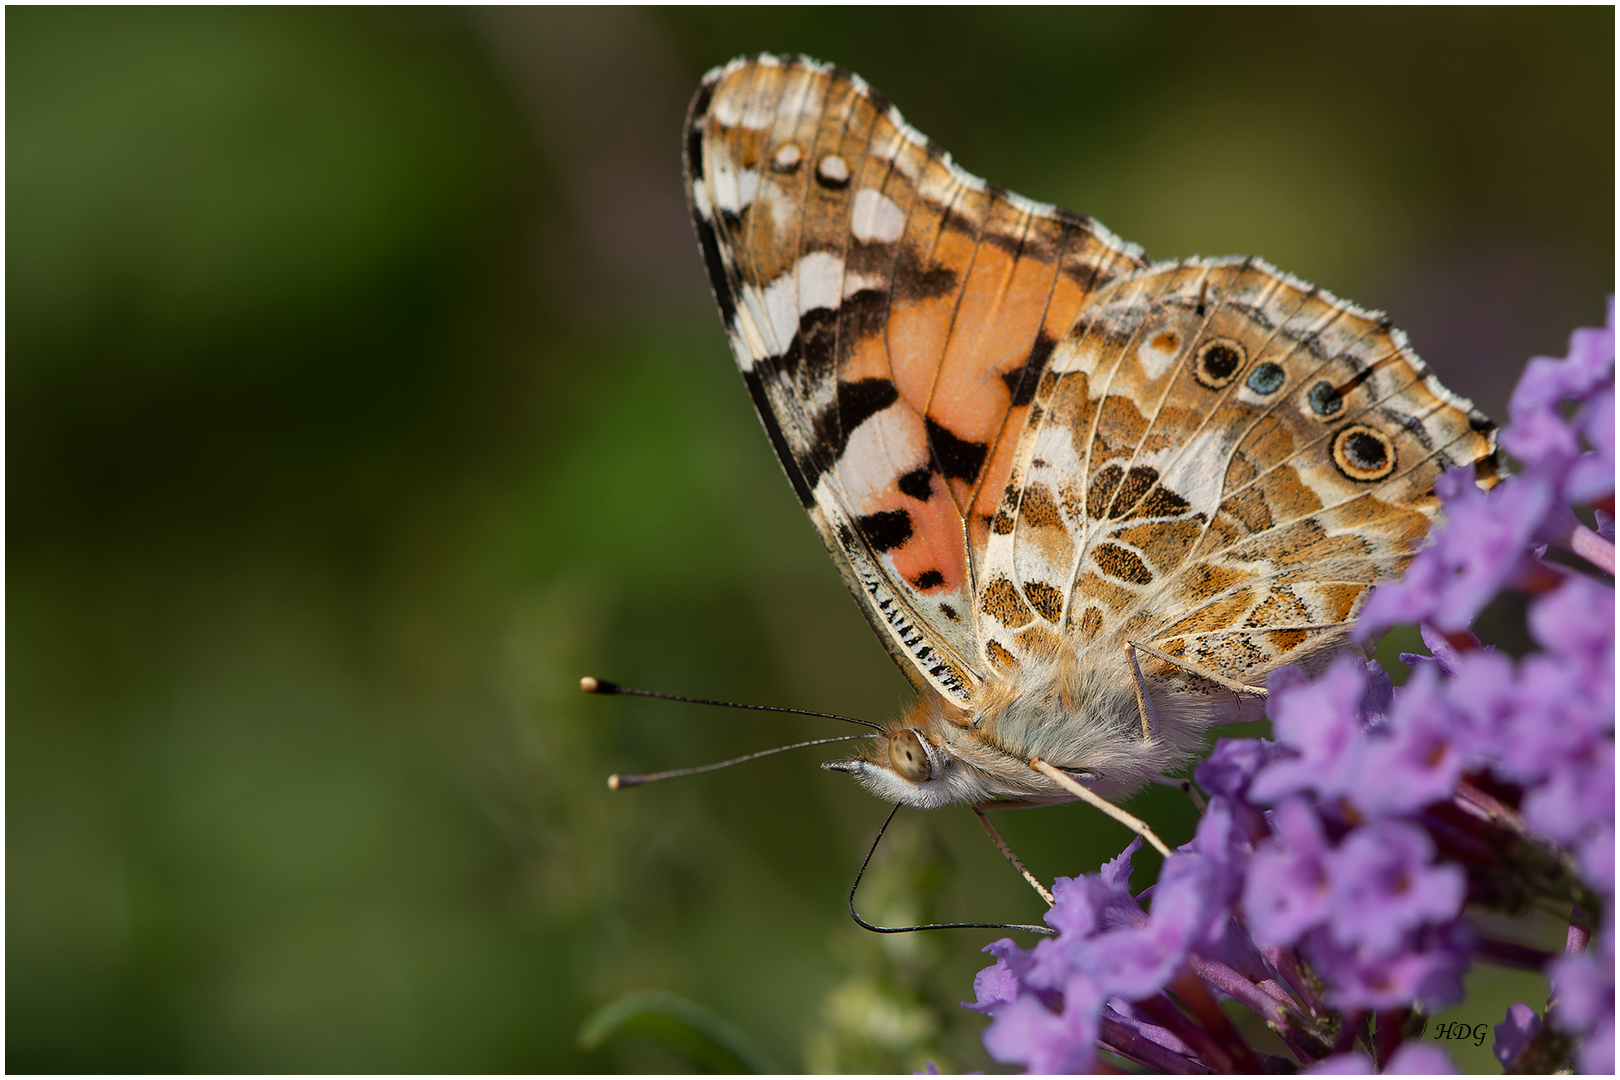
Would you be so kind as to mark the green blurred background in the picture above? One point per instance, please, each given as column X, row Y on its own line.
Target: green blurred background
column 364, row 391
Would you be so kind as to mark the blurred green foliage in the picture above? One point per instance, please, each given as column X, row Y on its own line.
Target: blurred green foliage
column 363, row 393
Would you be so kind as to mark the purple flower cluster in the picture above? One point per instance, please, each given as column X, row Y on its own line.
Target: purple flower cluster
column 1101, row 979
column 1327, row 886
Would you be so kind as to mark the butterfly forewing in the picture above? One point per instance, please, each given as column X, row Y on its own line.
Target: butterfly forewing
column 892, row 316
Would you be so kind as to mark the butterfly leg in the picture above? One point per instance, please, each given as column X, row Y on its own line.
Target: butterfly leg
column 1086, row 795
column 1203, row 673
column 1007, row 851
column 1144, row 702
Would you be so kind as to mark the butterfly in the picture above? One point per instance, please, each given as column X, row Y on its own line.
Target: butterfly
column 1086, row 501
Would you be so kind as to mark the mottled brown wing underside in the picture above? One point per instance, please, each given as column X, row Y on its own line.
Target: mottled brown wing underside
column 892, row 316
column 1219, row 461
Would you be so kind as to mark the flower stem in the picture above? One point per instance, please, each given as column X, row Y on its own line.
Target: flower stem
column 1196, row 996
column 1575, row 941
column 1510, row 954
column 1128, row 1042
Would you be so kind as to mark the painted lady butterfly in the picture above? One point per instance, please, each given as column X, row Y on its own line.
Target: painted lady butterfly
column 1086, row 501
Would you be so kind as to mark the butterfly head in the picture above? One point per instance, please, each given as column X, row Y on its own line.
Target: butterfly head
column 930, row 756
column 905, row 766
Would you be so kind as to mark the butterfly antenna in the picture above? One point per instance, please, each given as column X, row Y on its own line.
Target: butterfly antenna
column 931, row 926
column 624, row 780
column 602, row 686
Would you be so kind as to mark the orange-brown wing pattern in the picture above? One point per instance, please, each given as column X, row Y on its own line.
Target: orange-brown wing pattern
column 892, row 316
column 1220, row 461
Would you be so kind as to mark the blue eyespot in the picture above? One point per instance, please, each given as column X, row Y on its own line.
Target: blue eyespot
column 1266, row 379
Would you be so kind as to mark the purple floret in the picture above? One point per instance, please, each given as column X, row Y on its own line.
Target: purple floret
column 1445, row 651
column 1288, row 890
column 1383, row 887
column 1583, row 989
column 1515, row 1031
column 1544, row 440
column 1481, row 547
column 1320, row 722
column 1429, row 972
column 1026, row 1032
column 1419, row 756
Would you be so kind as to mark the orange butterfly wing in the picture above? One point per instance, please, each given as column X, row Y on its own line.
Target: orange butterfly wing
column 892, row 316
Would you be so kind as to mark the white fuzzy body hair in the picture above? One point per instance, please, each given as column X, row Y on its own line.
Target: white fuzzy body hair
column 1076, row 710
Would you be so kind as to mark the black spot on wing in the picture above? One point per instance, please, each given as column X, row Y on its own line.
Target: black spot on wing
column 1135, row 484
column 915, row 280
column 1162, row 502
column 928, row 579
column 886, row 529
column 958, row 459
column 825, row 336
column 1101, row 489
column 1021, row 382
column 811, row 354
column 862, row 399
column 917, row 484
column 859, row 315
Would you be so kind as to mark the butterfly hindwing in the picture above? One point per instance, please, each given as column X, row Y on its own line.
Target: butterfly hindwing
column 892, row 316
column 1222, row 461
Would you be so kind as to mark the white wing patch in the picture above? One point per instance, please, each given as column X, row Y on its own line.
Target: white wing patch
column 876, row 217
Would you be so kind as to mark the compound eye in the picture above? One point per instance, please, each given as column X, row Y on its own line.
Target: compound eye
column 907, row 757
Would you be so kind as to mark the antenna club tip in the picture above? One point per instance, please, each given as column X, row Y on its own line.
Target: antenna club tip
column 588, row 684
column 613, row 781
column 592, row 685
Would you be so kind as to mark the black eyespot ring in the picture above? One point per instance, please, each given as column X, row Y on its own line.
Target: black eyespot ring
column 1324, row 399
column 1363, row 453
column 1267, row 378
column 1218, row 362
